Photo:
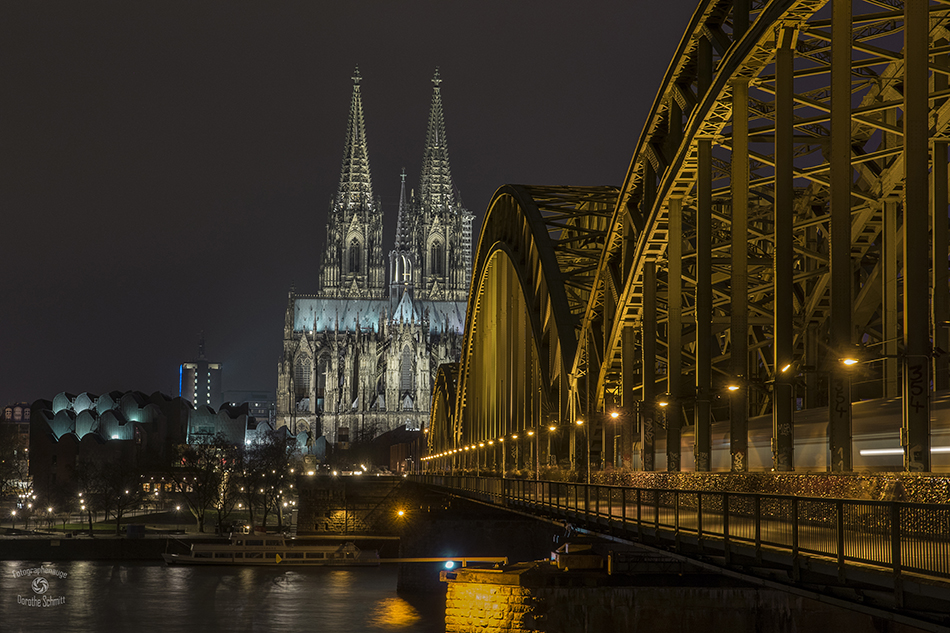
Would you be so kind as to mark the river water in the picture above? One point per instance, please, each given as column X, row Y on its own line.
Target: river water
column 144, row 596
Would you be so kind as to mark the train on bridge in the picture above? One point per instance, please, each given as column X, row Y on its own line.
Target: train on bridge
column 875, row 431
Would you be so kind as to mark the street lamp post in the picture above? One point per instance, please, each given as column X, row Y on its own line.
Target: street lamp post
column 177, row 518
column 586, row 464
column 614, row 416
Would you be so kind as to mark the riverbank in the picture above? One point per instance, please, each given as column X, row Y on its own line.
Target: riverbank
column 54, row 547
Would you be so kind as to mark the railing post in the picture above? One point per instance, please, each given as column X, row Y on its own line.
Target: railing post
column 896, row 556
column 623, row 511
column 896, row 539
column 839, row 505
column 699, row 519
column 610, row 505
column 796, row 568
column 757, row 510
column 676, row 519
column 639, row 516
column 725, row 526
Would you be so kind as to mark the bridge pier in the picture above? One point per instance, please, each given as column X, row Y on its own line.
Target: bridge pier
column 642, row 591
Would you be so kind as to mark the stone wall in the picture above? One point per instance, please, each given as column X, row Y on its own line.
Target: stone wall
column 487, row 608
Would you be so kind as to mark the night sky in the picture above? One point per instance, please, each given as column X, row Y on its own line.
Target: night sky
column 167, row 166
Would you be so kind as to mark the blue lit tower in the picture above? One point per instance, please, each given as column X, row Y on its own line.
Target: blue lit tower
column 199, row 381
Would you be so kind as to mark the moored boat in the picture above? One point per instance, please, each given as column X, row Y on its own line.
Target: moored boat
column 244, row 549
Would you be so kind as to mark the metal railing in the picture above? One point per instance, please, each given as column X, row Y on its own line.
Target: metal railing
column 892, row 536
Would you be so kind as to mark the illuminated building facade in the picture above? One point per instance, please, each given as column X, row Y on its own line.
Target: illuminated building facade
column 199, row 381
column 359, row 358
column 131, row 427
column 17, row 414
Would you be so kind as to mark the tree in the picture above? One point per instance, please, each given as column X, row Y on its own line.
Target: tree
column 14, row 466
column 111, row 488
column 205, row 475
column 89, row 483
column 228, row 488
column 266, row 474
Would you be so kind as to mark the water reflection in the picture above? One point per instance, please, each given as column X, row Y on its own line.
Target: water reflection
column 144, row 597
column 394, row 614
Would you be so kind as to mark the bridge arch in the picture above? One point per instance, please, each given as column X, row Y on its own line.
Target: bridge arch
column 757, row 239
column 537, row 248
column 751, row 241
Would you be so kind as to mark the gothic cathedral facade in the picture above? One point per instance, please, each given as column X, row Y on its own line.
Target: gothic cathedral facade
column 360, row 356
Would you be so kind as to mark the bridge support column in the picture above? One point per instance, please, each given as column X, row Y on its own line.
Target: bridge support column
column 839, row 397
column 917, row 351
column 628, row 424
column 783, row 432
column 674, row 334
column 890, row 287
column 648, row 362
column 939, row 195
column 941, row 275
column 702, row 446
column 739, row 325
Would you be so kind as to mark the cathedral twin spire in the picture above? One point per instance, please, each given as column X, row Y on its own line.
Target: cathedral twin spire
column 356, row 183
column 436, row 189
column 432, row 232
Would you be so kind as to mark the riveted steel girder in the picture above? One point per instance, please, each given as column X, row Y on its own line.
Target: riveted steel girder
column 768, row 226
column 537, row 253
column 787, row 153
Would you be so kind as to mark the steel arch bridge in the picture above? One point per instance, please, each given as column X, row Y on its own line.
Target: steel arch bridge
column 785, row 210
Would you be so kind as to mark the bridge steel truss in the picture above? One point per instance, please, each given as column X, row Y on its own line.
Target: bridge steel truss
column 764, row 199
column 758, row 239
column 537, row 253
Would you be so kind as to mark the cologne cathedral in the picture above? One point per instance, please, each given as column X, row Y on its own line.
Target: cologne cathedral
column 359, row 356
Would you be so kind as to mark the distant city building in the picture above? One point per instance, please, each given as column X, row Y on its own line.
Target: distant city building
column 15, row 422
column 199, row 381
column 130, row 427
column 359, row 358
column 260, row 404
column 18, row 414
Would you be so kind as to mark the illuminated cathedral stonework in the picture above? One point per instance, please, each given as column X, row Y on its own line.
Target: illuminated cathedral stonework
column 359, row 357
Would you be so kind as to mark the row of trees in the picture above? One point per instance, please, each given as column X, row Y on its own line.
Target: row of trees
column 218, row 477
column 210, row 479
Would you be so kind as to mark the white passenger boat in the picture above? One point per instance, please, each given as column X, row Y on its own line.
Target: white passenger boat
column 244, row 549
